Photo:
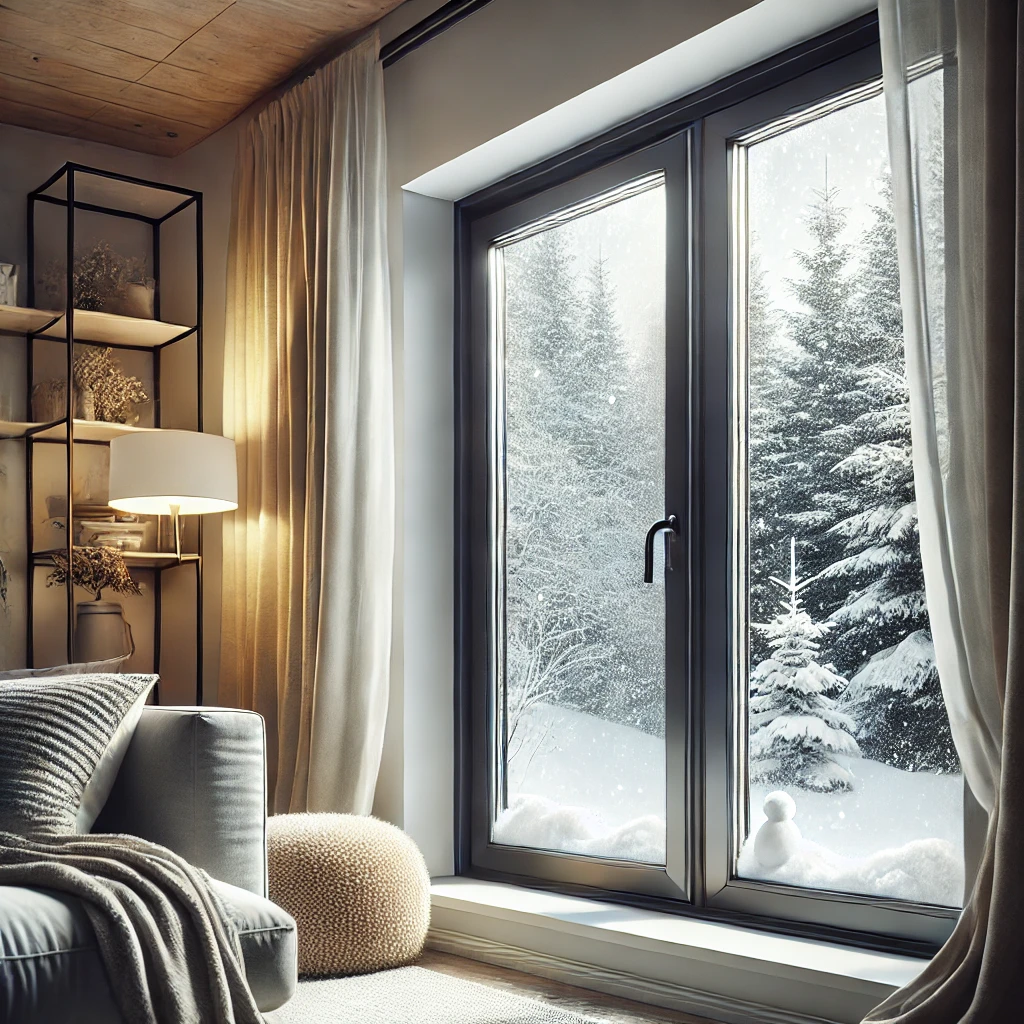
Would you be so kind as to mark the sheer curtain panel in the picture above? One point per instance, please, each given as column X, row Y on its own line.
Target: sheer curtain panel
column 307, row 597
column 953, row 93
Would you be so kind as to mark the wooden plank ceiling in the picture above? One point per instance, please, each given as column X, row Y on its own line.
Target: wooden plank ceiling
column 158, row 75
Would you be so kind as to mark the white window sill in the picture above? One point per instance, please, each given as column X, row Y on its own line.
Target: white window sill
column 716, row 970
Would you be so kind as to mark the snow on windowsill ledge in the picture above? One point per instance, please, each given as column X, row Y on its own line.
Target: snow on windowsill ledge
column 708, row 967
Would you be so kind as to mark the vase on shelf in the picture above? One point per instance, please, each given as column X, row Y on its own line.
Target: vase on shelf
column 138, row 300
column 85, row 403
column 102, row 633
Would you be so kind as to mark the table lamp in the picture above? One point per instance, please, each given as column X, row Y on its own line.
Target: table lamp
column 173, row 473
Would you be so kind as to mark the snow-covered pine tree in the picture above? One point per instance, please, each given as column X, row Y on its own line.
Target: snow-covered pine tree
column 879, row 564
column 550, row 620
column 600, row 375
column 898, row 705
column 616, row 444
column 883, row 623
column 542, row 299
column 796, row 728
column 827, row 394
column 576, row 487
column 771, row 408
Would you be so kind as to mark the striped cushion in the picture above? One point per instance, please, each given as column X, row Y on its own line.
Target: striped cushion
column 56, row 736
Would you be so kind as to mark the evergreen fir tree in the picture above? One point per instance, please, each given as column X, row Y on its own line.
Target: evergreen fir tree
column 796, row 728
column 898, row 701
column 770, row 409
column 573, row 448
column 600, row 377
column 551, row 624
column 821, row 392
column 880, row 562
column 542, row 300
column 898, row 705
column 602, row 413
column 830, row 457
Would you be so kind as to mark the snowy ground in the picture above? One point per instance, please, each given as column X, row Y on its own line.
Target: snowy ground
column 896, row 834
column 581, row 784
column 585, row 785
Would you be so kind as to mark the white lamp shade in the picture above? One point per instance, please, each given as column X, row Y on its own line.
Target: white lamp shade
column 153, row 470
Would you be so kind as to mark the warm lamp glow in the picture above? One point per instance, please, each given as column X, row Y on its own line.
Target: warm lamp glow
column 173, row 472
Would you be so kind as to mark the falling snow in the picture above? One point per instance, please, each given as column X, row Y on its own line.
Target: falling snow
column 829, row 465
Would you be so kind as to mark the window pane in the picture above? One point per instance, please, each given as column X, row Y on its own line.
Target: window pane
column 578, row 307
column 848, row 744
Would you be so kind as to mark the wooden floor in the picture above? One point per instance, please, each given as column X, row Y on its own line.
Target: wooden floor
column 595, row 1005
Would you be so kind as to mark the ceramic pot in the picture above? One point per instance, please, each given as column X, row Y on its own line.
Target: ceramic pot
column 138, row 300
column 101, row 632
column 85, row 403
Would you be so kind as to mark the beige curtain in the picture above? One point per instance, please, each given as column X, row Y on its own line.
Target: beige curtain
column 308, row 398
column 954, row 84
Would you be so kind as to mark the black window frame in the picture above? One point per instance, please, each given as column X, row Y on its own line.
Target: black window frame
column 693, row 140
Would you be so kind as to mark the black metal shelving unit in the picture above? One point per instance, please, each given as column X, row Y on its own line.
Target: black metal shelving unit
column 79, row 189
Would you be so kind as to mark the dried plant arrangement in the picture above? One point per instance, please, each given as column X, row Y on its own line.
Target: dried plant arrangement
column 100, row 278
column 95, row 570
column 115, row 394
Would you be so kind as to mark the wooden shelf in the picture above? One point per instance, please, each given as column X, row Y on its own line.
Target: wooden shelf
column 133, row 559
column 91, row 326
column 20, row 429
column 119, row 331
column 157, row 559
column 21, row 320
column 87, row 430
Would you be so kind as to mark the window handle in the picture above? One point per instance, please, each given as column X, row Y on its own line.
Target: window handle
column 671, row 524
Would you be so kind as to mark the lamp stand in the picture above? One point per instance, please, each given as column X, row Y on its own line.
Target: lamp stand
column 176, row 526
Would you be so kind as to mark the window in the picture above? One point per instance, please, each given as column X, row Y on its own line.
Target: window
column 845, row 714
column 579, row 307
column 701, row 339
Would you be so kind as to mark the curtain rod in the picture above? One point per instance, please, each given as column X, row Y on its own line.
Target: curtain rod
column 431, row 27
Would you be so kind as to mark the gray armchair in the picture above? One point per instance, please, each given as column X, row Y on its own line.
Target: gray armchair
column 193, row 780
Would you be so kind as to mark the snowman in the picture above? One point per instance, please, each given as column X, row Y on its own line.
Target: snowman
column 778, row 838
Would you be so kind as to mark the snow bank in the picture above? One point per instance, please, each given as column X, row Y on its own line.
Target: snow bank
column 575, row 759
column 887, row 808
column 539, row 823
column 582, row 784
column 586, row 785
column 924, row 870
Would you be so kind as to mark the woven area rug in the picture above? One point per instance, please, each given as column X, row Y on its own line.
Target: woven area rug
column 412, row 995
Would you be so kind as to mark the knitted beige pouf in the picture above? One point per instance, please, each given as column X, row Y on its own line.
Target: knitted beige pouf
column 357, row 887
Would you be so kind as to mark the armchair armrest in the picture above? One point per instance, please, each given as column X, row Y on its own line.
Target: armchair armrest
column 194, row 780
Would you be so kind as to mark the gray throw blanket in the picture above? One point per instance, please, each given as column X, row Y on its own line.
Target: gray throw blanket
column 171, row 953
